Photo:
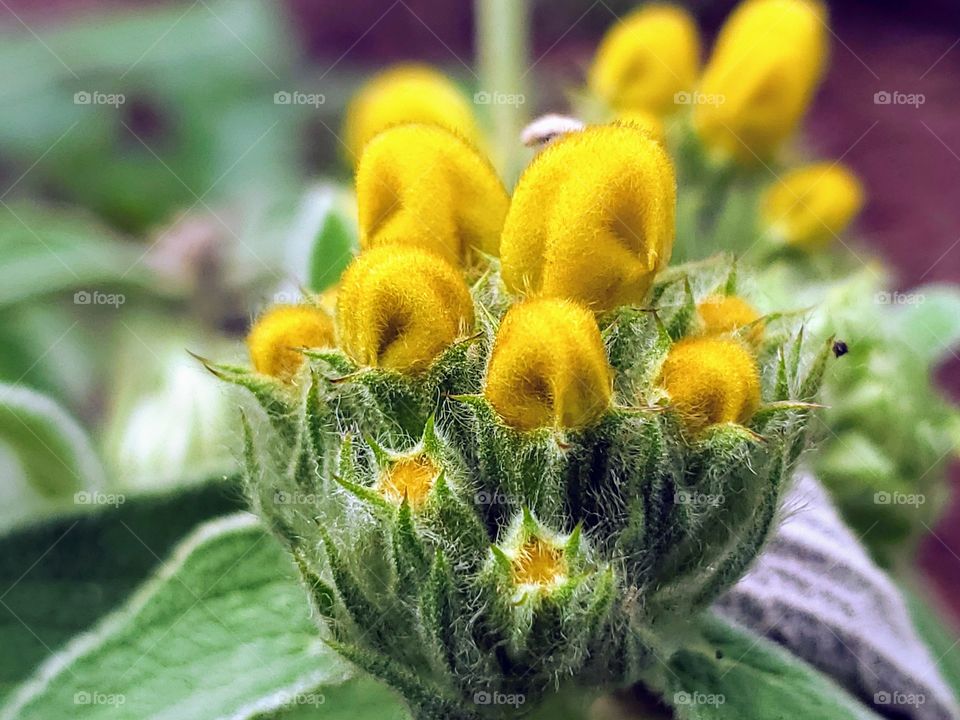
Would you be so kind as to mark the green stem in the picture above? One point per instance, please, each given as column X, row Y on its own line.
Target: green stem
column 502, row 45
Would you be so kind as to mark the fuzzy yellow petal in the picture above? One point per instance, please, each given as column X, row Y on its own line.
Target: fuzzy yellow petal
column 724, row 314
column 400, row 307
column 766, row 65
column 812, row 205
column 653, row 125
column 646, row 59
column 407, row 93
column 427, row 187
column 711, row 380
column 548, row 367
column 275, row 339
column 592, row 218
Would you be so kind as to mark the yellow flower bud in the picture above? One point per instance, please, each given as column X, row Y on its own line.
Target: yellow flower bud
column 646, row 59
column 592, row 218
column 652, row 124
column 400, row 307
column 406, row 94
column 711, row 380
column 548, row 367
column 427, row 187
column 723, row 314
column 538, row 565
column 275, row 340
column 411, row 477
column 765, row 68
column 811, row 205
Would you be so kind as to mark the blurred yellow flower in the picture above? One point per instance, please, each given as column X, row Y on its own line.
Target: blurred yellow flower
column 425, row 186
column 765, row 68
column 278, row 335
column 711, row 380
column 548, row 367
column 400, row 307
column 647, row 59
column 408, row 93
column 811, row 205
column 724, row 314
column 592, row 218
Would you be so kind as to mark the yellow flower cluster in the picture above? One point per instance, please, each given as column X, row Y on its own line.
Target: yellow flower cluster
column 280, row 333
column 766, row 64
column 424, row 186
column 725, row 314
column 406, row 94
column 591, row 219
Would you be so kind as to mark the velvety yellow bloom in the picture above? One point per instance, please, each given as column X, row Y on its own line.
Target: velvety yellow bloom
column 652, row 124
column 592, row 218
column 406, row 94
column 765, row 68
column 711, row 380
column 427, row 187
column 812, row 205
column 278, row 335
column 411, row 477
column 548, row 367
column 400, row 307
column 646, row 59
column 724, row 314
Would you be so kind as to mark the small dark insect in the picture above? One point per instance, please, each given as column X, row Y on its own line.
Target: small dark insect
column 840, row 348
column 719, row 654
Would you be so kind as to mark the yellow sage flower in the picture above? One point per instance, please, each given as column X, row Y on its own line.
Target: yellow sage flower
column 548, row 367
column 275, row 339
column 653, row 125
column 724, row 314
column 400, row 307
column 766, row 65
column 411, row 477
column 427, row 187
column 408, row 93
column 812, row 205
column 711, row 380
column 592, row 218
column 648, row 61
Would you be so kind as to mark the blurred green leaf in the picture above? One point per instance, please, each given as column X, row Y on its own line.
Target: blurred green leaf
column 221, row 630
column 331, row 254
column 46, row 250
column 737, row 675
column 58, row 577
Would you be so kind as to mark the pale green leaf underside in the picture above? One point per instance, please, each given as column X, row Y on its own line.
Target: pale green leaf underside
column 752, row 678
column 221, row 631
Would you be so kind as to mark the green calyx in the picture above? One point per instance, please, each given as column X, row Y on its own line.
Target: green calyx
column 459, row 559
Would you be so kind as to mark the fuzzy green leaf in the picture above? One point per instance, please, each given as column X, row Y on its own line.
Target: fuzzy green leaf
column 221, row 630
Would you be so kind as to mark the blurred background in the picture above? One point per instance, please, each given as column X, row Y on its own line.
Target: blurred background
column 165, row 167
